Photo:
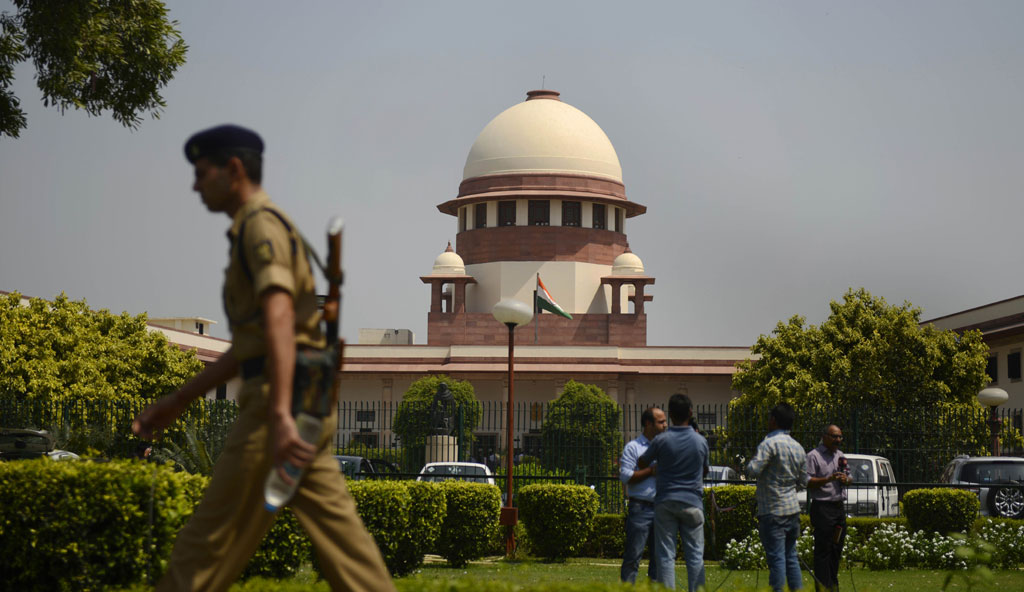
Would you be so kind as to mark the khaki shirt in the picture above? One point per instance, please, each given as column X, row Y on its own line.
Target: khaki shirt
column 276, row 258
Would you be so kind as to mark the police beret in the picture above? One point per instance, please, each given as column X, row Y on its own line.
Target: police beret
column 219, row 139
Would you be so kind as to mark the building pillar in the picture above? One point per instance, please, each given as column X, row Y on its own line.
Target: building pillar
column 435, row 295
column 616, row 296
column 386, row 411
column 459, row 297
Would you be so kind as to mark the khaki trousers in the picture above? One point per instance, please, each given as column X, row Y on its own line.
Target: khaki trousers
column 226, row 529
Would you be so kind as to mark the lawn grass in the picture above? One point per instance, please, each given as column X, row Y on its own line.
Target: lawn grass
column 603, row 574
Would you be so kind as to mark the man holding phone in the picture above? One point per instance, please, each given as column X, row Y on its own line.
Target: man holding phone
column 826, row 486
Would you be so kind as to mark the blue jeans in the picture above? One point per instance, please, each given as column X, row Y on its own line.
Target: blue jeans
column 779, row 535
column 671, row 517
column 639, row 530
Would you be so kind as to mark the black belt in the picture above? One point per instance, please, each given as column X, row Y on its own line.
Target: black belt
column 834, row 502
column 253, row 367
column 634, row 500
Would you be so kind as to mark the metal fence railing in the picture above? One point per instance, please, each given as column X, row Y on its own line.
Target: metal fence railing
column 579, row 444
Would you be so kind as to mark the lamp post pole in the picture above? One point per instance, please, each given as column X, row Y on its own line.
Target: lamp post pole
column 510, row 313
column 510, row 541
column 993, row 397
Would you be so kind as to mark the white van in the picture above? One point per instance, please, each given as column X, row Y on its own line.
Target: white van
column 869, row 501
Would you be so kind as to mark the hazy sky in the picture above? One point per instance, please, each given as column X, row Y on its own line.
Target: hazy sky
column 785, row 150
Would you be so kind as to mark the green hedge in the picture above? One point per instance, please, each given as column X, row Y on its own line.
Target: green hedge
column 558, row 518
column 79, row 525
column 472, row 511
column 607, row 537
column 940, row 510
column 429, row 507
column 284, row 549
column 735, row 518
column 385, row 507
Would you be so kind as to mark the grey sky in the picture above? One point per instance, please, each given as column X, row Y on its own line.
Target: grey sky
column 786, row 151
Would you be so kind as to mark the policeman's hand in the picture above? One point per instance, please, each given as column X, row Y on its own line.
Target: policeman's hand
column 289, row 448
column 155, row 418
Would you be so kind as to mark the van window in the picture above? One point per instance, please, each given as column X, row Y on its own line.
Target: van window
column 862, row 471
column 884, row 473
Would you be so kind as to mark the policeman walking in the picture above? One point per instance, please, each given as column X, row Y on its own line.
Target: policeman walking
column 271, row 306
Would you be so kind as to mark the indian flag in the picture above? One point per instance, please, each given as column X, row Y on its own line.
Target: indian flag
column 546, row 302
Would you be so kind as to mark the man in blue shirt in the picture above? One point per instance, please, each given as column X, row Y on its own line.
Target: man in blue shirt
column 683, row 460
column 640, row 488
column 780, row 466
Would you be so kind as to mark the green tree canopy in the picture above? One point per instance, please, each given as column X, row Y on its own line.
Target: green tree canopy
column 412, row 420
column 866, row 353
column 63, row 351
column 582, row 429
column 895, row 387
column 94, row 55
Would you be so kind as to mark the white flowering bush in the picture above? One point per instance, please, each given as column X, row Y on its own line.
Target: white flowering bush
column 892, row 546
column 1007, row 538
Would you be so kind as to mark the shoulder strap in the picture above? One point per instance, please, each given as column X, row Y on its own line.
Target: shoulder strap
column 291, row 231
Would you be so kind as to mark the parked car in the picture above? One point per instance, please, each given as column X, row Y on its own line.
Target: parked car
column 466, row 471
column 870, row 501
column 19, row 444
column 720, row 473
column 359, row 467
column 989, row 472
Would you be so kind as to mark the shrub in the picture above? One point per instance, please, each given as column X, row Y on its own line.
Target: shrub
column 384, row 507
column 558, row 518
column 426, row 515
column 582, row 430
column 471, row 513
column 734, row 519
column 75, row 526
column 282, row 551
column 940, row 510
column 607, row 537
column 524, row 470
column 1006, row 536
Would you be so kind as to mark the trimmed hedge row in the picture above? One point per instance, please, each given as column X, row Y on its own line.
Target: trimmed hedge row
column 940, row 510
column 558, row 518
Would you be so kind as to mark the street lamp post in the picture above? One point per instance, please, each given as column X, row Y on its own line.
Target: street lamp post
column 993, row 397
column 510, row 313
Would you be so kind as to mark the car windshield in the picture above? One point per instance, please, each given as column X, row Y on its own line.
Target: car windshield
column 444, row 472
column 862, row 470
column 993, row 472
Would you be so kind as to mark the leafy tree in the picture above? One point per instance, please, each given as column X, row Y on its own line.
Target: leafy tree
column 94, row 55
column 873, row 366
column 866, row 353
column 63, row 351
column 582, row 429
column 412, row 419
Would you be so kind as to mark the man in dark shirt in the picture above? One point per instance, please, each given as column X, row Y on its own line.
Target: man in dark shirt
column 826, row 486
column 683, row 461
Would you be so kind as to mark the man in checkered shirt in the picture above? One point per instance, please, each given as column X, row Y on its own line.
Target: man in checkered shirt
column 780, row 466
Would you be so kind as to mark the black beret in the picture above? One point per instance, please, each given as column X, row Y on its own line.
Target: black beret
column 219, row 139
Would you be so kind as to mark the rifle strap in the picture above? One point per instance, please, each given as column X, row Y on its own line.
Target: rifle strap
column 331, row 278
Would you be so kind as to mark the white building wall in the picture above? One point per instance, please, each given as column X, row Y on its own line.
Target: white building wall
column 575, row 286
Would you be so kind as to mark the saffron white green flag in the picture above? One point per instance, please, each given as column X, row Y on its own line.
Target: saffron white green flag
column 546, row 302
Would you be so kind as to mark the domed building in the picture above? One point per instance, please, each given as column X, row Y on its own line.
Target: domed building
column 542, row 197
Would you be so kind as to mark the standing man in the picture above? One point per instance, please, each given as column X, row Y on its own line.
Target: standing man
column 640, row 488
column 271, row 306
column 683, row 461
column 826, row 484
column 780, row 466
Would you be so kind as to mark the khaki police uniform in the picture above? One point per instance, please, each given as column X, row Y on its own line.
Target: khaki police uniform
column 226, row 529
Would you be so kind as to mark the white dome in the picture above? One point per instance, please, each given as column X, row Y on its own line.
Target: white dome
column 543, row 135
column 449, row 263
column 627, row 264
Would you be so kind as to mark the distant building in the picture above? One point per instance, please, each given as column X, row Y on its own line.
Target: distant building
column 1002, row 327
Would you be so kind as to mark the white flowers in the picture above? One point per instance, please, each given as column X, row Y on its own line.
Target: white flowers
column 892, row 546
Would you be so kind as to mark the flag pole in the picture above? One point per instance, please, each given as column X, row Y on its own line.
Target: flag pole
column 536, row 309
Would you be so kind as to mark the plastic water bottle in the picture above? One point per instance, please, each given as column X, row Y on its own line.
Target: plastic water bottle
column 276, row 492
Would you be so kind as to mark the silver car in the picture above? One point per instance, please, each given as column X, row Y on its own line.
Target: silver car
column 989, row 472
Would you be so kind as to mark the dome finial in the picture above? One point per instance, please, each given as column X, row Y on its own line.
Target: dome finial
column 449, row 249
column 542, row 94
